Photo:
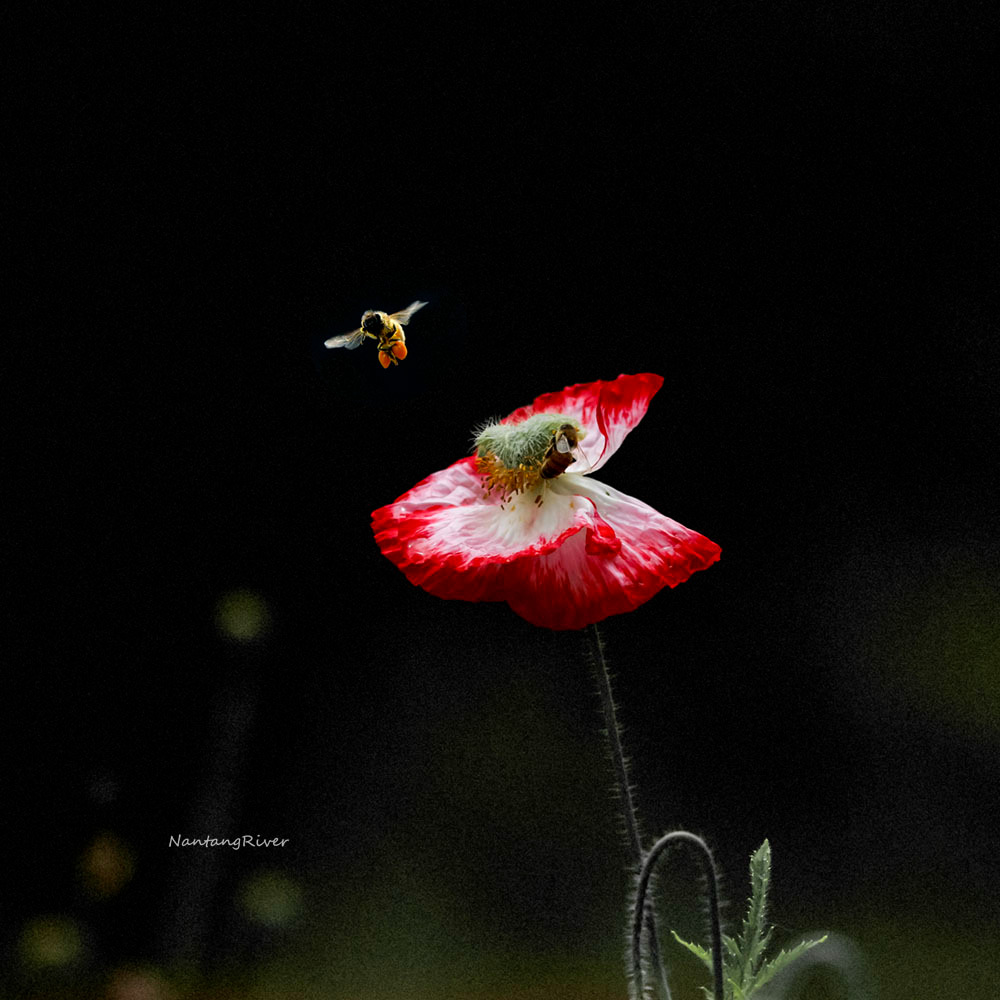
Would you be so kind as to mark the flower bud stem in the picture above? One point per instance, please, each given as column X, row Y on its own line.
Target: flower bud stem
column 711, row 877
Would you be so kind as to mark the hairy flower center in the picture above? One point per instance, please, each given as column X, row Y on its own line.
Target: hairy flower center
column 515, row 458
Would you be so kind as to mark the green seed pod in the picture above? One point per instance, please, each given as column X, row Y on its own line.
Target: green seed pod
column 525, row 443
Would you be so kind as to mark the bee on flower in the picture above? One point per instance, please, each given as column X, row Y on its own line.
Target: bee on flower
column 523, row 521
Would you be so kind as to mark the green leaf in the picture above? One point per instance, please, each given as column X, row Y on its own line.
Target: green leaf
column 784, row 958
column 695, row 949
column 755, row 934
column 730, row 950
column 745, row 968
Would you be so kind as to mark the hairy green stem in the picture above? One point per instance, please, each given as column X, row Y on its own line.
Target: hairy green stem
column 708, row 863
column 625, row 791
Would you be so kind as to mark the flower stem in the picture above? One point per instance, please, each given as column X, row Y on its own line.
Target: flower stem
column 632, row 832
column 711, row 876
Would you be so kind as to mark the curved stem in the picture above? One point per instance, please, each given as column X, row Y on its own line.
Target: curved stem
column 624, row 789
column 708, row 863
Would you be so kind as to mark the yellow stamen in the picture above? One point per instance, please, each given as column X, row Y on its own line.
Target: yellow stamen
column 497, row 478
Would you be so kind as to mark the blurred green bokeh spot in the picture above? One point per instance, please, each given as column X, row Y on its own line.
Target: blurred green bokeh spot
column 271, row 898
column 943, row 652
column 242, row 615
column 50, row 942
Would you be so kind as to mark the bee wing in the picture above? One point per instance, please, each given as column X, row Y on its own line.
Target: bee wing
column 403, row 316
column 348, row 340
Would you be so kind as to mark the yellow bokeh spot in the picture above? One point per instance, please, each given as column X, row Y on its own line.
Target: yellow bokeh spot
column 50, row 942
column 242, row 615
column 271, row 898
column 106, row 866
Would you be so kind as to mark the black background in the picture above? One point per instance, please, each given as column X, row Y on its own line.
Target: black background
column 780, row 208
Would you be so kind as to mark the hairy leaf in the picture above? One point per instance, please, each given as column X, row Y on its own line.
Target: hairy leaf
column 745, row 967
column 695, row 949
column 773, row 966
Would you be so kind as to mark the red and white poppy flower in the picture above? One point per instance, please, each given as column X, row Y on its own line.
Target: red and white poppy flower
column 523, row 521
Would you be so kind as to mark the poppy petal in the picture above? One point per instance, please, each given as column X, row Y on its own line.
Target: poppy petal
column 606, row 411
column 452, row 540
column 585, row 553
column 628, row 553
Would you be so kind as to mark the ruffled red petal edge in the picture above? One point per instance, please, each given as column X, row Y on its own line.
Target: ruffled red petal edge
column 603, row 595
column 530, row 580
column 452, row 574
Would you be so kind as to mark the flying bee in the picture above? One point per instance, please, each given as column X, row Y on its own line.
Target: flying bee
column 386, row 328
